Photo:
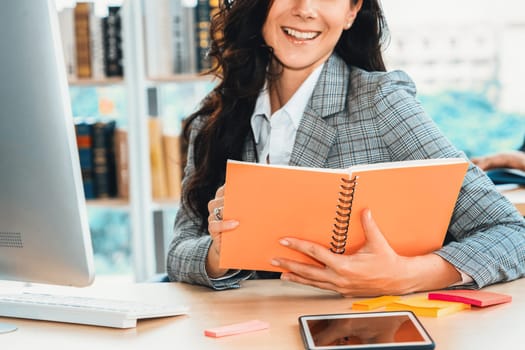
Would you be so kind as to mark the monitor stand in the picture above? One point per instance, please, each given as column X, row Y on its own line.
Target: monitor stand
column 6, row 328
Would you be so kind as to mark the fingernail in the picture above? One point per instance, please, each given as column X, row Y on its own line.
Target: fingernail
column 369, row 214
column 284, row 277
column 275, row 262
column 284, row 242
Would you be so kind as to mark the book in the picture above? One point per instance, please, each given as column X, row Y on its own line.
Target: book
column 122, row 163
column 183, row 37
column 112, row 43
column 422, row 306
column 158, row 38
column 177, row 32
column 188, row 45
column 159, row 184
column 82, row 39
column 203, row 14
column 104, row 159
column 477, row 298
column 411, row 201
column 109, row 139
column 96, row 46
column 172, row 157
column 503, row 176
column 66, row 19
column 83, row 131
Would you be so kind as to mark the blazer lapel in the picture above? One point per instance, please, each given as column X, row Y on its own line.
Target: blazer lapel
column 315, row 136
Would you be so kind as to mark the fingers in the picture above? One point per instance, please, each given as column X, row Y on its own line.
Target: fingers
column 220, row 192
column 216, row 203
column 359, row 274
column 296, row 278
column 215, row 206
column 481, row 162
column 313, row 250
column 216, row 227
column 511, row 159
column 375, row 241
column 374, row 238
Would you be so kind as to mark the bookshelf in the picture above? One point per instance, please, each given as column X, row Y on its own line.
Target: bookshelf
column 97, row 82
column 150, row 219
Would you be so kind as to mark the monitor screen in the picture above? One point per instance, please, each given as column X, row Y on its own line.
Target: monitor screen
column 44, row 232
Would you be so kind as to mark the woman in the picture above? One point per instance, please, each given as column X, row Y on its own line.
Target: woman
column 303, row 83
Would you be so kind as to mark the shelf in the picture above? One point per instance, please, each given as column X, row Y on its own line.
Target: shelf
column 516, row 195
column 165, row 204
column 149, row 219
column 108, row 203
column 96, row 82
column 181, row 78
column 123, row 204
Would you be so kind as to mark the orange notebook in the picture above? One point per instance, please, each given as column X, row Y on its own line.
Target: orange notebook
column 412, row 202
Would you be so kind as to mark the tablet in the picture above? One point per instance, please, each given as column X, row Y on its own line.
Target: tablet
column 393, row 330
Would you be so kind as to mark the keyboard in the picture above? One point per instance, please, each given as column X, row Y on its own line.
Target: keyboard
column 83, row 310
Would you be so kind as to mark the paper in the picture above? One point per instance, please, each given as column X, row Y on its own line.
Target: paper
column 422, row 306
column 236, row 328
column 374, row 303
column 473, row 297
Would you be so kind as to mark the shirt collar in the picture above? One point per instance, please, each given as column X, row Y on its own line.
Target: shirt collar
column 297, row 104
column 294, row 107
column 262, row 110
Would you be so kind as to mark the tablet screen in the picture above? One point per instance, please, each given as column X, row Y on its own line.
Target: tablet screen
column 379, row 330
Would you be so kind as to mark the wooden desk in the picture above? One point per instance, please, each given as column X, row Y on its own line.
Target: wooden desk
column 279, row 303
column 517, row 197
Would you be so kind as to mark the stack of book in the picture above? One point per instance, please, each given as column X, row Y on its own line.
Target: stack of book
column 98, row 151
column 92, row 44
column 104, row 156
column 177, row 36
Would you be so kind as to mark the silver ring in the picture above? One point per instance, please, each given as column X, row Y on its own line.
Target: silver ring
column 217, row 212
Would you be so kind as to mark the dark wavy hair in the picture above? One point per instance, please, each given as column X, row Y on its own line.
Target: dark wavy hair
column 240, row 60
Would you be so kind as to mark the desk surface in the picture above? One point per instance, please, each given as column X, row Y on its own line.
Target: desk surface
column 517, row 197
column 277, row 302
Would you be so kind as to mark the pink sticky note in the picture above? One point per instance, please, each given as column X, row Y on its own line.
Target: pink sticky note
column 236, row 328
column 473, row 297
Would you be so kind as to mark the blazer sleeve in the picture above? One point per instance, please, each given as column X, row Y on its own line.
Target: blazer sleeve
column 488, row 231
column 186, row 260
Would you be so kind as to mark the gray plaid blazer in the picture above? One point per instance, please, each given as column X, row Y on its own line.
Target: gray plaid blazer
column 357, row 117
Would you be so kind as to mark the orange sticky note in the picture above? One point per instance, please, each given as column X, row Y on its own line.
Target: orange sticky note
column 473, row 297
column 422, row 306
column 374, row 303
column 236, row 328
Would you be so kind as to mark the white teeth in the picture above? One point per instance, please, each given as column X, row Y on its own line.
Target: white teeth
column 300, row 35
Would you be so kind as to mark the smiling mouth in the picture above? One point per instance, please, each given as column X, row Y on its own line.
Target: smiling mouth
column 300, row 35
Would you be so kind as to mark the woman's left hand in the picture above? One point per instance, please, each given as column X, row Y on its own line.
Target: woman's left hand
column 375, row 269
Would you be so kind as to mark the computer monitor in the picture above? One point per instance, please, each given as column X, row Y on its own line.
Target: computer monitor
column 44, row 231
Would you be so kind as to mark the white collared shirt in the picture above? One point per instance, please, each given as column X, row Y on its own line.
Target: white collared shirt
column 275, row 134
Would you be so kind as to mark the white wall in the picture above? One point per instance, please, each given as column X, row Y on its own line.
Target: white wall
column 469, row 42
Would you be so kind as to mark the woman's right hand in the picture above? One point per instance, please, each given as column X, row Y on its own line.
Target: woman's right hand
column 216, row 226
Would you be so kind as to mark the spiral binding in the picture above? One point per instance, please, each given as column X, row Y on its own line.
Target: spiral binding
column 342, row 219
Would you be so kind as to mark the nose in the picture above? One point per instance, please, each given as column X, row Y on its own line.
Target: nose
column 305, row 9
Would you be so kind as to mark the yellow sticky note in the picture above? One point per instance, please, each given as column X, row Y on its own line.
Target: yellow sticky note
column 374, row 303
column 422, row 306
